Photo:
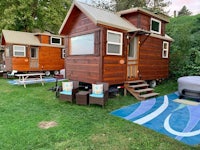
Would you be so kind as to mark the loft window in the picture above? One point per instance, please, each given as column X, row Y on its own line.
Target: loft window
column 82, row 45
column 155, row 26
column 114, row 43
column 56, row 40
column 19, row 51
column 165, row 51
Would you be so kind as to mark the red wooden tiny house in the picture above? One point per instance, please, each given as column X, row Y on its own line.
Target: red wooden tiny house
column 32, row 52
column 127, row 46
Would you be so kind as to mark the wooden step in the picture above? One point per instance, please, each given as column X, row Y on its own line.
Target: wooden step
column 144, row 90
column 135, row 81
column 145, row 96
column 139, row 85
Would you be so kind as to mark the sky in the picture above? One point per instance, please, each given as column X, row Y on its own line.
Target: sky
column 192, row 5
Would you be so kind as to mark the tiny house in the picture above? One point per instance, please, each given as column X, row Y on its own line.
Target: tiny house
column 29, row 52
column 103, row 46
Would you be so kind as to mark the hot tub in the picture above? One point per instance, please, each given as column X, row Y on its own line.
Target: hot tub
column 189, row 86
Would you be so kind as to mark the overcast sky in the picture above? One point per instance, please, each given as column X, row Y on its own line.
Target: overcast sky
column 192, row 5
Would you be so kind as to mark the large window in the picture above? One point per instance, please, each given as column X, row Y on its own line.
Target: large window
column 165, row 51
column 56, row 40
column 82, row 45
column 19, row 51
column 155, row 26
column 114, row 43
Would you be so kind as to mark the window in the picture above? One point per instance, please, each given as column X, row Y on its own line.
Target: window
column 155, row 26
column 19, row 51
column 34, row 53
column 63, row 53
column 133, row 47
column 82, row 45
column 114, row 43
column 165, row 51
column 56, row 40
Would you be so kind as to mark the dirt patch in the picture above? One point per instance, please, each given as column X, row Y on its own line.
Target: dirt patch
column 47, row 124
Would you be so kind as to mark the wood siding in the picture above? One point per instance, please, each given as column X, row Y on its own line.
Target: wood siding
column 45, row 39
column 151, row 64
column 83, row 68
column 49, row 59
column 143, row 21
column 113, row 71
column 79, row 23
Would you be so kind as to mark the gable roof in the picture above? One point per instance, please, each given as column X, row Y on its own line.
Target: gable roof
column 17, row 37
column 24, row 38
column 100, row 16
column 138, row 9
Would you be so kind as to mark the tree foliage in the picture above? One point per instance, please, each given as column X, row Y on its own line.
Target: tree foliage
column 105, row 4
column 23, row 15
column 184, row 11
column 126, row 4
column 185, row 50
column 156, row 6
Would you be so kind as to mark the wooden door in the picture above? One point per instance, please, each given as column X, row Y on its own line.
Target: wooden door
column 132, row 64
column 34, row 62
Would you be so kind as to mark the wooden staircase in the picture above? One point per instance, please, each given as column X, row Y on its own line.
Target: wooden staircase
column 139, row 89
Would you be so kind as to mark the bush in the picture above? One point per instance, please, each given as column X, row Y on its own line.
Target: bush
column 185, row 50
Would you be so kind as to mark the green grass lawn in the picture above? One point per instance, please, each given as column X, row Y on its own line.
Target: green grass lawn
column 78, row 127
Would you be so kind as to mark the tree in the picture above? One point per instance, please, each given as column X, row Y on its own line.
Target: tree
column 118, row 5
column 23, row 15
column 158, row 6
column 105, row 4
column 184, row 11
column 126, row 4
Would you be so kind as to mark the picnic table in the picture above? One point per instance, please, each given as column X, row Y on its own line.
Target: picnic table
column 36, row 78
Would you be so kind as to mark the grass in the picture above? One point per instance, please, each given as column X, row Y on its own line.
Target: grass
column 79, row 127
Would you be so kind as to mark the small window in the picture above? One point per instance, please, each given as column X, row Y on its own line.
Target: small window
column 56, row 40
column 155, row 26
column 34, row 52
column 165, row 51
column 19, row 51
column 63, row 53
column 82, row 45
column 114, row 43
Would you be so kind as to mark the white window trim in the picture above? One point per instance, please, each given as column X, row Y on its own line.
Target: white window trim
column 23, row 51
column 52, row 37
column 165, row 50
column 152, row 19
column 120, row 44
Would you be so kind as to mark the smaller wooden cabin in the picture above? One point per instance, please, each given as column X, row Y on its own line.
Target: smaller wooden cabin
column 103, row 46
column 29, row 52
